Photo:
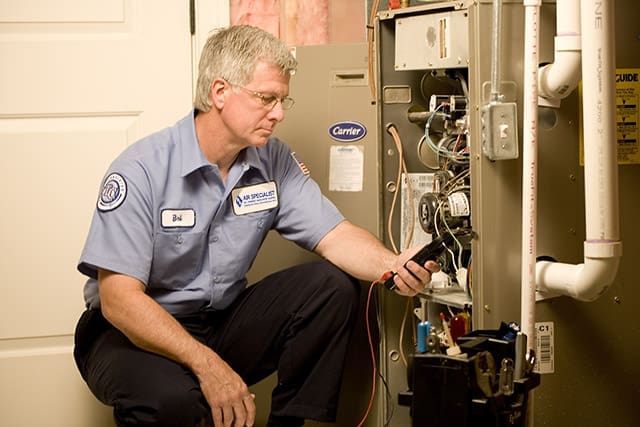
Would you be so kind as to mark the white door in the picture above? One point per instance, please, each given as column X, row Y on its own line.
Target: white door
column 79, row 80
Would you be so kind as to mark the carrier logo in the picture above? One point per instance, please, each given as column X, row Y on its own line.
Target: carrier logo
column 347, row 131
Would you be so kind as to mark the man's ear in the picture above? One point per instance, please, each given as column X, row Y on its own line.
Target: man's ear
column 217, row 92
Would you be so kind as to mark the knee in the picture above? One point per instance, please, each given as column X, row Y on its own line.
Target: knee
column 344, row 290
column 343, row 285
column 164, row 406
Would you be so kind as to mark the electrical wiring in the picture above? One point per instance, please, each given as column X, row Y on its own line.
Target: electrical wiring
column 453, row 256
column 450, row 310
column 463, row 84
column 370, row 33
column 375, row 373
column 391, row 407
column 460, row 248
column 390, row 401
column 407, row 310
column 439, row 214
column 458, row 157
column 395, row 195
column 374, row 367
column 424, row 161
column 453, row 183
column 402, row 167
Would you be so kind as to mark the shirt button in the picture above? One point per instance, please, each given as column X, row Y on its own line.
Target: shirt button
column 214, row 239
column 179, row 240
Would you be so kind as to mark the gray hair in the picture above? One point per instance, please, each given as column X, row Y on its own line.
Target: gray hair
column 232, row 53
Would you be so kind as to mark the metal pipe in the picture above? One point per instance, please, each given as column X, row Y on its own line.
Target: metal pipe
column 496, row 37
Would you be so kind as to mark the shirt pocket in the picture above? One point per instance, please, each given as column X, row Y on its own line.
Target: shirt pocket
column 252, row 224
column 240, row 239
column 177, row 258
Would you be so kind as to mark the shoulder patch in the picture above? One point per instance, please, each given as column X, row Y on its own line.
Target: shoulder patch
column 113, row 193
column 301, row 165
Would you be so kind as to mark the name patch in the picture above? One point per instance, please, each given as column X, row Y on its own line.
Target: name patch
column 255, row 198
column 178, row 218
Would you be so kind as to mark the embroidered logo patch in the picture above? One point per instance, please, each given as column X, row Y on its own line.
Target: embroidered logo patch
column 113, row 193
column 254, row 198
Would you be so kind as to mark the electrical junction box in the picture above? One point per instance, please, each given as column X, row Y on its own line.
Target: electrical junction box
column 499, row 130
column 433, row 41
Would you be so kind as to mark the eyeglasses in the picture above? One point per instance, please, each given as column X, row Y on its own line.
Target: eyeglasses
column 268, row 101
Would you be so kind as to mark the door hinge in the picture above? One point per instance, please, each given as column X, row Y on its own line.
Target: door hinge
column 192, row 16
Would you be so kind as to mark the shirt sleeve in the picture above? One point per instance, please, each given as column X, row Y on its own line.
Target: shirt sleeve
column 305, row 215
column 120, row 237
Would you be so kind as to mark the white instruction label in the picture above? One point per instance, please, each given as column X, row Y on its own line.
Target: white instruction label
column 544, row 348
column 346, row 168
column 411, row 234
column 459, row 204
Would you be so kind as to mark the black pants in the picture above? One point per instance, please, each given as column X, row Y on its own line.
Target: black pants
column 296, row 322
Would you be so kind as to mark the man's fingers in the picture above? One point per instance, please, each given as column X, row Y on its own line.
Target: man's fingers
column 227, row 415
column 217, row 416
column 240, row 415
column 250, row 406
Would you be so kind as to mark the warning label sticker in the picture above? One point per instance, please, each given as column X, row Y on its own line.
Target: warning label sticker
column 627, row 101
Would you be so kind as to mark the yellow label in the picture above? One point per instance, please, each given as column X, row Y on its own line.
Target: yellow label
column 627, row 104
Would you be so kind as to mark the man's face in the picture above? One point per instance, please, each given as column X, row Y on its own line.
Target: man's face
column 249, row 115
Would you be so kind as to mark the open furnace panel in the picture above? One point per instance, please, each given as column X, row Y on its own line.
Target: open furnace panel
column 423, row 112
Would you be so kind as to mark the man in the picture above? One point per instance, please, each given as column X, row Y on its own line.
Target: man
column 172, row 335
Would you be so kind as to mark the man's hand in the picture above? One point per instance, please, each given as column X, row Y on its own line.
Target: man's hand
column 409, row 284
column 149, row 326
column 229, row 398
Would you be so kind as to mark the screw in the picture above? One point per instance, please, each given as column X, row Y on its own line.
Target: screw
column 391, row 187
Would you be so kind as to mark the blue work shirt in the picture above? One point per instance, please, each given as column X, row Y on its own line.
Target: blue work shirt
column 165, row 217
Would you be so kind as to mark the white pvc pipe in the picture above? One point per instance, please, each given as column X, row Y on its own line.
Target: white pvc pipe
column 558, row 79
column 602, row 247
column 529, row 169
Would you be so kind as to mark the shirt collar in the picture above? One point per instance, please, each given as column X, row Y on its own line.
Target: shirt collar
column 250, row 158
column 193, row 158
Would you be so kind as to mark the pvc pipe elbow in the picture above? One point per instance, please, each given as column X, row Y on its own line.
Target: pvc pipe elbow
column 584, row 282
column 559, row 79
